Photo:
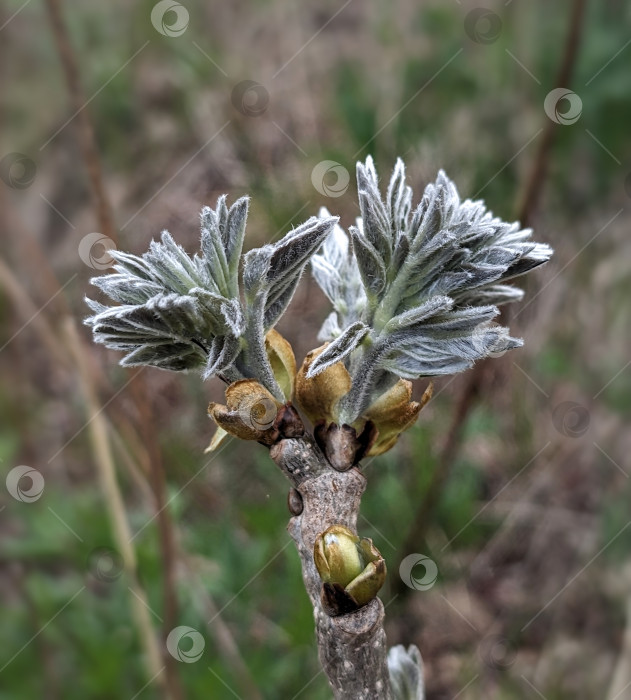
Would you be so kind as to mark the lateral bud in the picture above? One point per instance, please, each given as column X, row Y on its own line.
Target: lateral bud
column 351, row 568
column 294, row 502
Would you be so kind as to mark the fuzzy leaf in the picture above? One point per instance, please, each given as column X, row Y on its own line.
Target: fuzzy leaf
column 167, row 332
column 270, row 277
column 445, row 348
column 291, row 254
column 417, row 315
column 336, row 270
column 339, row 348
column 180, row 312
column 374, row 215
column 371, row 265
column 401, row 251
column 282, row 262
column 496, row 294
column 405, row 668
column 233, row 231
column 223, row 352
column 278, row 300
column 432, row 277
column 399, row 200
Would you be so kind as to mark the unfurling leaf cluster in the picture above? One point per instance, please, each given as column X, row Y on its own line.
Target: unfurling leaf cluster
column 415, row 290
column 179, row 312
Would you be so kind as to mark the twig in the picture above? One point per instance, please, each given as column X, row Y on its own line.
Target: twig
column 352, row 647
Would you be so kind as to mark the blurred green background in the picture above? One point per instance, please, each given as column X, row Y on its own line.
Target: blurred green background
column 529, row 521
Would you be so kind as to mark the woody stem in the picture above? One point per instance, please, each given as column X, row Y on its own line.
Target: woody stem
column 352, row 647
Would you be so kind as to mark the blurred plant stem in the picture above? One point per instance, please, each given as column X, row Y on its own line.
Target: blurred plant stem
column 24, row 304
column 533, row 187
column 92, row 161
column 620, row 688
column 56, row 347
column 527, row 202
column 165, row 527
column 29, row 250
column 226, row 644
column 131, row 448
column 87, row 141
column 104, row 461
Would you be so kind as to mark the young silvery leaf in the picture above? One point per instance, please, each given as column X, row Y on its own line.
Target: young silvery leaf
column 270, row 277
column 180, row 312
column 337, row 273
column 405, row 668
column 431, row 280
column 342, row 346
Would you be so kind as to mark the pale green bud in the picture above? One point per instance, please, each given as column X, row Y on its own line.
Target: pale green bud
column 351, row 568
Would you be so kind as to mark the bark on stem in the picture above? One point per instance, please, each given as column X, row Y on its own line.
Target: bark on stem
column 352, row 647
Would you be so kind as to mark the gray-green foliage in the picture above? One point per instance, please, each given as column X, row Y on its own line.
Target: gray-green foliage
column 405, row 668
column 431, row 280
column 337, row 273
column 414, row 292
column 181, row 313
